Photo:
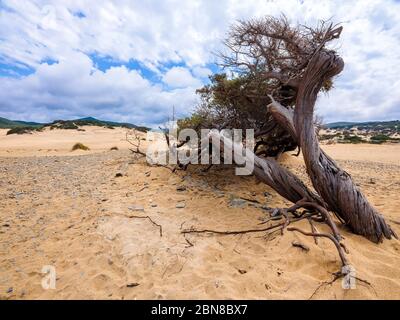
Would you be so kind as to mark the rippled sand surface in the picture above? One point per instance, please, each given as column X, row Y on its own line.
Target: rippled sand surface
column 70, row 210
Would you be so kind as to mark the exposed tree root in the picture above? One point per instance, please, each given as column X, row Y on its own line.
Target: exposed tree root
column 232, row 232
column 151, row 220
column 278, row 226
column 290, row 216
column 190, row 244
column 313, row 229
column 337, row 276
column 330, row 237
column 325, row 283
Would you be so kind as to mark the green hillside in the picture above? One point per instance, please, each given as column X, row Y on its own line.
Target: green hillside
column 370, row 125
column 26, row 126
column 9, row 124
column 340, row 124
column 90, row 121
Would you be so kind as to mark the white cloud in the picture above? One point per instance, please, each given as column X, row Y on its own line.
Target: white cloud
column 201, row 72
column 73, row 88
column 164, row 34
column 180, row 77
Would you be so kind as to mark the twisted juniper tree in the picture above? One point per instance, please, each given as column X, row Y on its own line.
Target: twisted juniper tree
column 278, row 71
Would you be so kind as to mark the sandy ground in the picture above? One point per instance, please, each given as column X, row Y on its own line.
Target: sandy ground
column 69, row 210
column 60, row 142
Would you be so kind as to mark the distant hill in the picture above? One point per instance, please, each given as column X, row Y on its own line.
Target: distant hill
column 361, row 132
column 90, row 121
column 67, row 124
column 370, row 125
column 9, row 124
column 342, row 124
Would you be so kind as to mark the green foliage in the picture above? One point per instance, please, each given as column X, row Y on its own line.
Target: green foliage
column 238, row 102
column 194, row 121
column 380, row 137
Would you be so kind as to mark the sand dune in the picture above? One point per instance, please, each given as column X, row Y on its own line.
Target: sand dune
column 60, row 142
column 69, row 210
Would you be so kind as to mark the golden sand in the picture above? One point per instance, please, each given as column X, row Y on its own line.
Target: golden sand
column 69, row 210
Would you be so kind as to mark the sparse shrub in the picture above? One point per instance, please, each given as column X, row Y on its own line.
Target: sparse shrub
column 328, row 136
column 114, row 148
column 380, row 137
column 142, row 129
column 80, row 146
column 75, row 124
column 60, row 124
column 69, row 126
column 352, row 139
column 22, row 130
column 376, row 141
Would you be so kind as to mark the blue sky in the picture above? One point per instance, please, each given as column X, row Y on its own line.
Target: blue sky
column 133, row 60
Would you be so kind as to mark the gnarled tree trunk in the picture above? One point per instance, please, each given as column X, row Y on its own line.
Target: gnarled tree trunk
column 333, row 184
column 284, row 182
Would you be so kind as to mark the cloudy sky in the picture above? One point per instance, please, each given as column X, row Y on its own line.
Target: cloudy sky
column 133, row 60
